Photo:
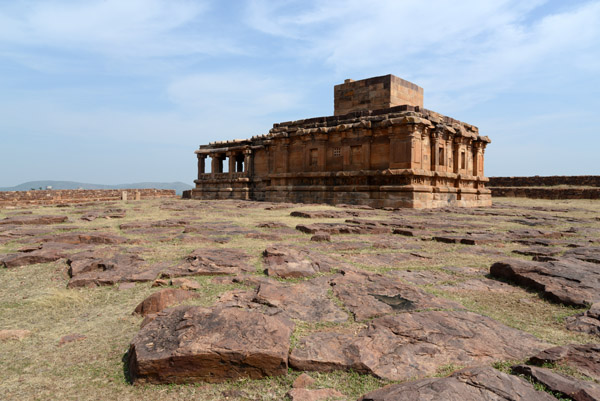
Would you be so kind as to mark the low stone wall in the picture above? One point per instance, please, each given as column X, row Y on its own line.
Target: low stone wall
column 62, row 196
column 537, row 181
column 546, row 193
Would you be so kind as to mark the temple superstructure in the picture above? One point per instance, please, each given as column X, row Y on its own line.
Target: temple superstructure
column 380, row 148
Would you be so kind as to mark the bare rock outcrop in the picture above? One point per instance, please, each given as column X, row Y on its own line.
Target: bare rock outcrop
column 211, row 261
column 471, row 384
column 413, row 345
column 584, row 358
column 162, row 299
column 577, row 390
column 108, row 267
column 308, row 300
column 189, row 344
column 569, row 281
column 369, row 295
column 286, row 262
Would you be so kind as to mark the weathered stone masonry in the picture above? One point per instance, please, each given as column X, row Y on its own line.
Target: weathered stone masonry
column 381, row 148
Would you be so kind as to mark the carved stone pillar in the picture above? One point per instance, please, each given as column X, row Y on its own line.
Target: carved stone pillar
column 231, row 156
column 201, row 160
column 247, row 160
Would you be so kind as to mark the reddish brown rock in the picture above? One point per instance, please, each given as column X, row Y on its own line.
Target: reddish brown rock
column 30, row 258
column 108, row 267
column 413, row 345
column 22, row 220
column 569, row 281
column 186, row 283
column 368, row 295
column 342, row 228
column 215, row 261
column 588, row 254
column 303, row 381
column 328, row 214
column 86, row 238
column 577, row 390
column 585, row 358
column 586, row 322
column 189, row 344
column 308, row 300
column 322, row 394
column 471, row 384
column 321, row 237
column 163, row 299
column 286, row 262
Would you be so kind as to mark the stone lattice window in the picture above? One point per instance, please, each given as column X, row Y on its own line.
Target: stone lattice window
column 337, row 152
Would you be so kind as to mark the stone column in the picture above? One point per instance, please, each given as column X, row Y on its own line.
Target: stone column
column 201, row 159
column 456, row 146
column 434, row 152
column 214, row 164
column 247, row 158
column 231, row 156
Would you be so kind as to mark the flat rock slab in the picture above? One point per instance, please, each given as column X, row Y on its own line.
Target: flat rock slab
column 286, row 262
column 108, row 267
column 211, row 261
column 569, row 281
column 586, row 322
column 588, row 254
column 369, row 295
column 577, row 390
column 539, row 251
column 329, row 214
column 163, row 299
column 85, row 238
column 471, row 384
column 42, row 255
column 469, row 239
column 585, row 358
column 414, row 345
column 188, row 344
column 308, row 300
column 342, row 228
column 380, row 259
column 33, row 220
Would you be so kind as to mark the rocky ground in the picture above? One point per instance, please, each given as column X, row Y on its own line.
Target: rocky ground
column 213, row 300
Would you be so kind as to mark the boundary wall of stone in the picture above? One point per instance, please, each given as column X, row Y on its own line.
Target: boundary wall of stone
column 64, row 196
column 546, row 193
column 538, row 181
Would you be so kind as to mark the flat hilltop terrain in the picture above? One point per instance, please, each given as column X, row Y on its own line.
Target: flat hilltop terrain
column 238, row 300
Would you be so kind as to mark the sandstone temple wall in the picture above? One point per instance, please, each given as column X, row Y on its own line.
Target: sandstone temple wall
column 398, row 156
column 61, row 196
column 375, row 93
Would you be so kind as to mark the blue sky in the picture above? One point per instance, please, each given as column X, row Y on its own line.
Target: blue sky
column 118, row 91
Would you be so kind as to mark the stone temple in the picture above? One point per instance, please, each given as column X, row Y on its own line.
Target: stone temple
column 381, row 148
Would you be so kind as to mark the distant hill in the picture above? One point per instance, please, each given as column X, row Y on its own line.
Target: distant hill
column 179, row 187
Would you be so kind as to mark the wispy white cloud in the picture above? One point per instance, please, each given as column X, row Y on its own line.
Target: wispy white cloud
column 116, row 28
column 463, row 52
